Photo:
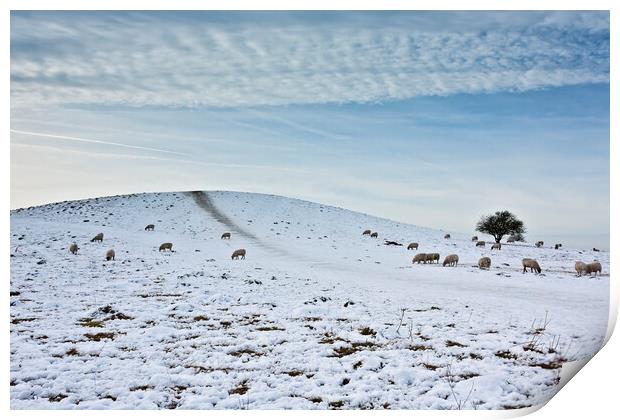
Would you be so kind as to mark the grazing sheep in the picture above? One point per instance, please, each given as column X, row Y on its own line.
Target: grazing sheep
column 532, row 264
column 451, row 260
column 481, row 243
column 98, row 238
column 484, row 263
column 474, row 238
column 446, row 236
column 226, row 235
column 419, row 258
column 511, row 239
column 412, row 245
column 110, row 255
column 432, row 257
column 539, row 244
column 165, row 246
column 73, row 248
column 238, row 253
column 367, row 232
column 594, row 267
column 374, row 235
column 150, row 227
column 580, row 268
column 496, row 245
column 558, row 246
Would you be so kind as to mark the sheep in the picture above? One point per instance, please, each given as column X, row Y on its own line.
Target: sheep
column 558, row 246
column 374, row 235
column 226, row 235
column 73, row 248
column 98, row 238
column 484, row 263
column 446, row 236
column 238, row 253
column 594, row 267
column 367, row 232
column 539, row 244
column 496, row 245
column 595, row 249
column 165, row 246
column 511, row 239
column 580, row 268
column 474, row 238
column 532, row 264
column 432, row 257
column 481, row 243
column 150, row 227
column 413, row 245
column 419, row 258
column 451, row 260
column 110, row 255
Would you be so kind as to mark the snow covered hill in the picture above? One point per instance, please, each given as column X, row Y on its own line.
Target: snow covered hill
column 316, row 316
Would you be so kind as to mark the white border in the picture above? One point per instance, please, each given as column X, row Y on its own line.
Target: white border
column 592, row 394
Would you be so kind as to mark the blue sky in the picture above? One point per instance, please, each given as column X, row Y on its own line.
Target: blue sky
column 432, row 118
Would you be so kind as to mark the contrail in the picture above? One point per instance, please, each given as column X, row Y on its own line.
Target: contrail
column 83, row 140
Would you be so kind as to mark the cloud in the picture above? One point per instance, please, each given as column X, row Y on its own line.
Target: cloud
column 84, row 140
column 274, row 59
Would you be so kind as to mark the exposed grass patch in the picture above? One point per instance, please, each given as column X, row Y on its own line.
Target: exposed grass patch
column 148, row 295
column 505, row 354
column 344, row 351
column 419, row 347
column 336, row 404
column 239, row 353
column 240, row 389
column 100, row 336
column 118, row 315
column 450, row 343
column 140, row 388
column 270, row 328
column 57, row 397
column 367, row 331
column 315, row 400
column 515, row 406
column 475, row 356
column 468, row 375
column 294, row 373
column 201, row 318
column 430, row 366
column 552, row 365
column 329, row 338
column 20, row 320
column 91, row 323
column 72, row 352
column 225, row 324
column 355, row 347
column 358, row 364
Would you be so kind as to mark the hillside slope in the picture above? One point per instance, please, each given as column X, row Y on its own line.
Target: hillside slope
column 316, row 316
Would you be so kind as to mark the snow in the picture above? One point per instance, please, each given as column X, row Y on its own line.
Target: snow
column 310, row 319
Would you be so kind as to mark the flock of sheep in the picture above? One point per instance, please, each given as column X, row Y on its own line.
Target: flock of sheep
column 111, row 254
column 452, row 260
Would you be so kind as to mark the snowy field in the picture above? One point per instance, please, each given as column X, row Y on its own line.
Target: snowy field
column 316, row 316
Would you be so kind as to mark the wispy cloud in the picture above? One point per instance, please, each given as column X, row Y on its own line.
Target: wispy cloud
column 83, row 140
column 255, row 59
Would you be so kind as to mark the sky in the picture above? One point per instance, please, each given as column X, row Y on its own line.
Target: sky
column 431, row 118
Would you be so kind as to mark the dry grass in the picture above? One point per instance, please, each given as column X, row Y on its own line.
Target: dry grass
column 100, row 336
